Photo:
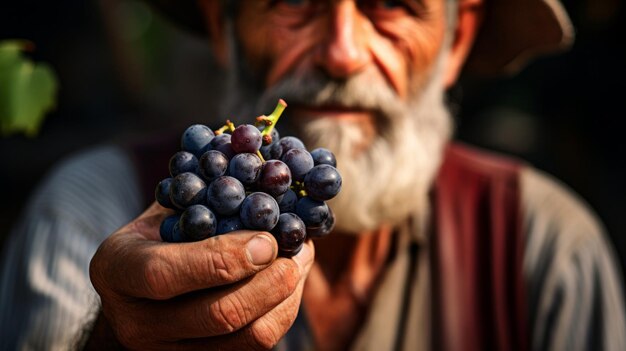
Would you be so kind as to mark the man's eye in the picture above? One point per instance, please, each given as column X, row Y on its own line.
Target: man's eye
column 384, row 4
column 390, row 4
column 294, row 3
column 392, row 8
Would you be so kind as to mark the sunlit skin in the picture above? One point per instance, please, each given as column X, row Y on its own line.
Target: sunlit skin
column 397, row 40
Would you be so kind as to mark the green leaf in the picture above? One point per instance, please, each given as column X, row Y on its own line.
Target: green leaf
column 27, row 90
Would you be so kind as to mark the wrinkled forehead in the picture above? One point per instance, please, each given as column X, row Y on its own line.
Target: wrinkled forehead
column 513, row 31
column 231, row 7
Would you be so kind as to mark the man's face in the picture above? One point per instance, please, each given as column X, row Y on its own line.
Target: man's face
column 394, row 42
column 362, row 78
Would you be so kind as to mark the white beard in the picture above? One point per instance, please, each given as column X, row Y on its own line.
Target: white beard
column 390, row 179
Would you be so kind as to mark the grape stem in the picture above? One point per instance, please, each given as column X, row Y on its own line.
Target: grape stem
column 270, row 121
column 298, row 188
column 229, row 126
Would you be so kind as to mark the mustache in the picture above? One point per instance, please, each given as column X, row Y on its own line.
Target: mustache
column 316, row 89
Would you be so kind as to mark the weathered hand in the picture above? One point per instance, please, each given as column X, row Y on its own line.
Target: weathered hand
column 229, row 292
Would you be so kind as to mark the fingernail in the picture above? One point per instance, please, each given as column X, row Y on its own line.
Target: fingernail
column 260, row 250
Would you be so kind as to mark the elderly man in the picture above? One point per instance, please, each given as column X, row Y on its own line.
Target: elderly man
column 437, row 245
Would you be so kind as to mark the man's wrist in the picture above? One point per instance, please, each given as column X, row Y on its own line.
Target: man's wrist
column 98, row 335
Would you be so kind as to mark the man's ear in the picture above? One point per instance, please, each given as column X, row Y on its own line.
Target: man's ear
column 469, row 19
column 215, row 27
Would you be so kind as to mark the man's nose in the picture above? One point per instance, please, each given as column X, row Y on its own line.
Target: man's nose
column 344, row 50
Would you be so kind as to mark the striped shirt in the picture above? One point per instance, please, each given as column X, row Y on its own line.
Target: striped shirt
column 45, row 293
column 574, row 289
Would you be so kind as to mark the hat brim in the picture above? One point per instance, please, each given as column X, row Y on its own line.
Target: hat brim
column 516, row 31
column 513, row 31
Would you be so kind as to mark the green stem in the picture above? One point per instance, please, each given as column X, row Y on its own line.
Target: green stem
column 298, row 188
column 258, row 153
column 271, row 120
column 229, row 126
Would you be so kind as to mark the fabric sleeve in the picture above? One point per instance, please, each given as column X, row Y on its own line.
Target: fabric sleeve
column 574, row 287
column 45, row 291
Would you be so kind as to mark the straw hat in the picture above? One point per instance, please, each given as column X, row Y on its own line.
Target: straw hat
column 513, row 31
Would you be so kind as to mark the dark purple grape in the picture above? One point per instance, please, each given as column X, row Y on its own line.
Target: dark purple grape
column 230, row 163
column 259, row 211
column 212, row 164
column 225, row 195
column 322, row 156
column 187, row 189
column 287, row 201
column 222, row 144
column 167, row 227
column 246, row 167
column 228, row 224
column 221, row 139
column 162, row 193
column 182, row 162
column 177, row 234
column 324, row 229
column 197, row 223
column 312, row 212
column 246, row 138
column 195, row 139
column 275, row 135
column 290, row 233
column 265, row 149
column 275, row 178
column 299, row 162
column 285, row 144
column 322, row 183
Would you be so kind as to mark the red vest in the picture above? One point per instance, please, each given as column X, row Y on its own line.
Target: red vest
column 478, row 288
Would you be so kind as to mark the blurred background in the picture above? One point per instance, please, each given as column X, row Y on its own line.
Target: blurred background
column 124, row 71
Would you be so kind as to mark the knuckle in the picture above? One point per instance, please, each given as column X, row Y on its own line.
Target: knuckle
column 266, row 332
column 226, row 315
column 157, row 280
column 287, row 275
column 100, row 266
column 263, row 336
column 128, row 336
column 218, row 266
column 132, row 327
column 95, row 274
column 125, row 338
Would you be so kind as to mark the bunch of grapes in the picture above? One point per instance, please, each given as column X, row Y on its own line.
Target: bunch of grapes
column 248, row 178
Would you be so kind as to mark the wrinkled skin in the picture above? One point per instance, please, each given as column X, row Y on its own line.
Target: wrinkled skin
column 205, row 294
column 394, row 42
